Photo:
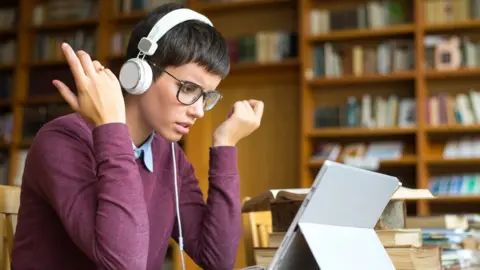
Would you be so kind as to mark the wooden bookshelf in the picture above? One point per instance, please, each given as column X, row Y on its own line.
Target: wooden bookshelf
column 426, row 139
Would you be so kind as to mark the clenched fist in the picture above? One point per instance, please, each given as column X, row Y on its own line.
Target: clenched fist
column 244, row 118
column 100, row 98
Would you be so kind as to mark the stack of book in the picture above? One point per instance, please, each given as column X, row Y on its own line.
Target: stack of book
column 404, row 244
column 456, row 235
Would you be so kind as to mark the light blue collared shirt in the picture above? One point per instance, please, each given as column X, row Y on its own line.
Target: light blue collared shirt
column 145, row 152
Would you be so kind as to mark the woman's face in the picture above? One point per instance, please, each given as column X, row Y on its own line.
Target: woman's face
column 160, row 107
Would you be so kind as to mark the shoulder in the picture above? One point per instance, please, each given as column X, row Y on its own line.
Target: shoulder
column 71, row 122
column 61, row 145
column 63, row 131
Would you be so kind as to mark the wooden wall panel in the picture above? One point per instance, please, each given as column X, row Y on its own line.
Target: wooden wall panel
column 268, row 158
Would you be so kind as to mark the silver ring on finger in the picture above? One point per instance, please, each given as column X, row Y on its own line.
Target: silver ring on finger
column 101, row 68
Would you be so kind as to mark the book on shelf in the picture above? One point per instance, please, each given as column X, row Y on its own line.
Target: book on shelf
column 453, row 109
column 8, row 51
column 459, row 184
column 128, row 6
column 47, row 45
column 446, row 11
column 60, row 11
column 386, row 57
column 263, row 47
column 462, row 147
column 358, row 152
column 456, row 235
column 367, row 111
column 369, row 15
column 9, row 18
column 450, row 52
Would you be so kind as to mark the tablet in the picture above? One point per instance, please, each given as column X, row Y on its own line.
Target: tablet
column 334, row 227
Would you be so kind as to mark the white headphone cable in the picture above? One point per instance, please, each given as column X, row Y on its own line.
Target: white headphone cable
column 177, row 205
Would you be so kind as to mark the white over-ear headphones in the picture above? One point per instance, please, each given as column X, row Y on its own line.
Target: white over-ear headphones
column 136, row 74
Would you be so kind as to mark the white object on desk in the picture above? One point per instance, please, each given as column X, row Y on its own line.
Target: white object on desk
column 334, row 227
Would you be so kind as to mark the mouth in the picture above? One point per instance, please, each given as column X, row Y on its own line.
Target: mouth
column 183, row 127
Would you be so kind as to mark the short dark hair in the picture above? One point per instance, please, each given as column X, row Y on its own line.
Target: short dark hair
column 188, row 42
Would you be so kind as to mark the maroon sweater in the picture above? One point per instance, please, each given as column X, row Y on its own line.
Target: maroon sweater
column 87, row 203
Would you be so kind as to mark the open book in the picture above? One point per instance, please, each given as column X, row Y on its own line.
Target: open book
column 262, row 202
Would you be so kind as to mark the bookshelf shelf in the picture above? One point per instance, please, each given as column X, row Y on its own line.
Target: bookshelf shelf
column 235, row 5
column 45, row 99
column 363, row 79
column 66, row 25
column 353, row 132
column 7, row 32
column 25, row 144
column 453, row 26
column 7, row 67
column 440, row 161
column 5, row 102
column 456, row 199
column 453, row 129
column 48, row 63
column 4, row 145
column 406, row 160
column 266, row 66
column 132, row 16
column 450, row 74
column 273, row 66
column 355, row 34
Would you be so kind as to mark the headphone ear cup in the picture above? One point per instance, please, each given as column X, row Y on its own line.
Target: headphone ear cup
column 147, row 77
column 135, row 76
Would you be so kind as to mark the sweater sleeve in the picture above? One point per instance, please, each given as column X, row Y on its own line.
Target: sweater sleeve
column 96, row 193
column 212, row 230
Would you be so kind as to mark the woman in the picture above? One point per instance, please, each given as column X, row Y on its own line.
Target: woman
column 100, row 186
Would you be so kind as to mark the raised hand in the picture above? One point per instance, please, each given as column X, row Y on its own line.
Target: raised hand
column 244, row 118
column 100, row 98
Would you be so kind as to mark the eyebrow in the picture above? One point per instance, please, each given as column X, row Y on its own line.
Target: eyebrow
column 182, row 80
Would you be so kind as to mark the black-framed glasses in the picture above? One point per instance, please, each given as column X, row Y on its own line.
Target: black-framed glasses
column 189, row 92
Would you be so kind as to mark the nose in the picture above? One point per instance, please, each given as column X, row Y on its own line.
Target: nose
column 196, row 109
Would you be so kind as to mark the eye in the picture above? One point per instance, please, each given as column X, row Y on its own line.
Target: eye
column 190, row 88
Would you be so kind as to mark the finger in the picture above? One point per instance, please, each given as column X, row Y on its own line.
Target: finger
column 253, row 102
column 247, row 105
column 257, row 107
column 74, row 63
column 97, row 65
column 87, row 63
column 67, row 94
column 110, row 74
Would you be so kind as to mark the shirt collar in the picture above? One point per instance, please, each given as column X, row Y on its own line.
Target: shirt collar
column 145, row 152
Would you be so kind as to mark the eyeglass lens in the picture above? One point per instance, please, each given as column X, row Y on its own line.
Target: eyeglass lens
column 189, row 93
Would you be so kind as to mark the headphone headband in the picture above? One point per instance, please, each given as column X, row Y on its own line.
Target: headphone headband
column 136, row 74
column 148, row 45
